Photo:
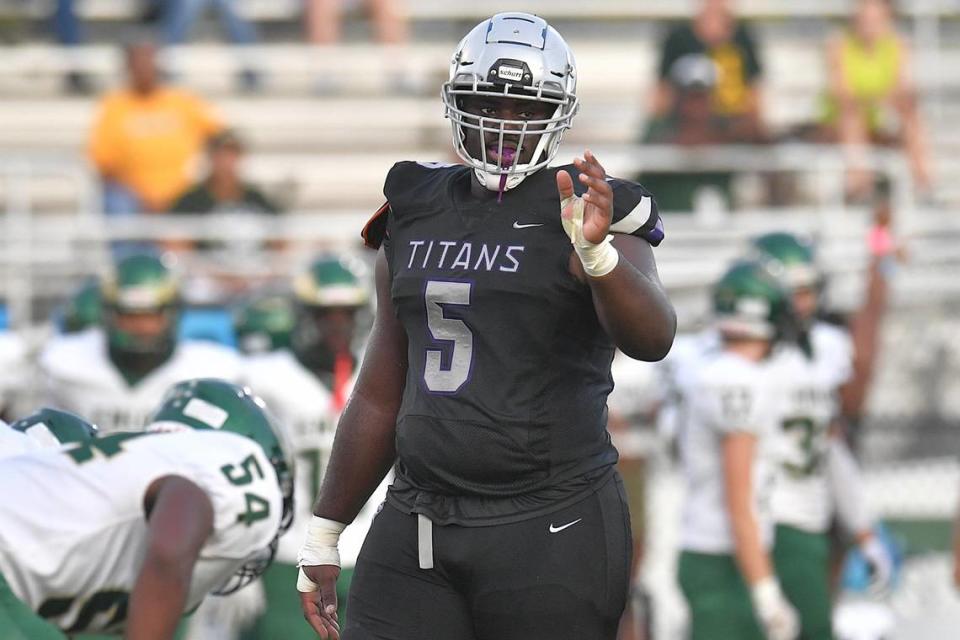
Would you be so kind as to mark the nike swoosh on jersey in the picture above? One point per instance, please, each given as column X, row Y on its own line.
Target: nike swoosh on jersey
column 517, row 225
column 555, row 529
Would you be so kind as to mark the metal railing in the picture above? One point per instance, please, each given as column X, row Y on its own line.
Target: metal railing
column 42, row 255
column 18, row 223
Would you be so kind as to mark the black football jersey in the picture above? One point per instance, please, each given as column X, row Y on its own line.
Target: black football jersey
column 504, row 410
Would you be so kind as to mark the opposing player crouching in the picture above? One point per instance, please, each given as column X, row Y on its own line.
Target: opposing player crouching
column 129, row 531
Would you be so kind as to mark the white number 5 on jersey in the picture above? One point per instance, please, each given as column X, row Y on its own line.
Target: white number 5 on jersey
column 443, row 329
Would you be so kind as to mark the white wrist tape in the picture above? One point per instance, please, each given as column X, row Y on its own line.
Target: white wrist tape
column 766, row 595
column 305, row 584
column 320, row 545
column 598, row 259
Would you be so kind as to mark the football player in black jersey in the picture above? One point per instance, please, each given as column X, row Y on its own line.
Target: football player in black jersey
column 503, row 287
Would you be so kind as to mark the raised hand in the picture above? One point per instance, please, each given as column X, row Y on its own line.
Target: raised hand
column 597, row 201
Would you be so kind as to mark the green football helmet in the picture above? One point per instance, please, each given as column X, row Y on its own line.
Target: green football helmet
column 83, row 309
column 141, row 310
column 52, row 428
column 749, row 301
column 790, row 258
column 331, row 296
column 265, row 323
column 332, row 281
column 208, row 403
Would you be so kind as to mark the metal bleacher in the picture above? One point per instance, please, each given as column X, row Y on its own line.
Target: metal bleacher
column 325, row 154
column 262, row 10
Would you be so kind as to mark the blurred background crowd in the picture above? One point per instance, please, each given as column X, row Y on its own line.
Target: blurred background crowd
column 243, row 144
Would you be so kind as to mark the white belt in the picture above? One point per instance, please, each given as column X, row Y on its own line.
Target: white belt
column 425, row 541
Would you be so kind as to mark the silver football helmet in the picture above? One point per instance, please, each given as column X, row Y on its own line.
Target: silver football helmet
column 513, row 55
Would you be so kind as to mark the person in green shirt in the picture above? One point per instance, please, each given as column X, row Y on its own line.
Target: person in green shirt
column 238, row 216
column 716, row 33
column 224, row 190
column 692, row 121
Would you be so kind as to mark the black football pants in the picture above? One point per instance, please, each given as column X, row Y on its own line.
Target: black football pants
column 563, row 575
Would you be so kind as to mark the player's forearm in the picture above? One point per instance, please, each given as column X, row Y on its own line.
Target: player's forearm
column 179, row 521
column 363, row 448
column 865, row 334
column 363, row 452
column 635, row 311
column 752, row 558
column 158, row 600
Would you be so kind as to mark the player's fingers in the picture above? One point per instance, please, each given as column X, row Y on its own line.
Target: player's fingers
column 599, row 205
column 594, row 163
column 590, row 165
column 585, row 167
column 310, row 605
column 564, row 184
column 328, row 595
column 598, row 192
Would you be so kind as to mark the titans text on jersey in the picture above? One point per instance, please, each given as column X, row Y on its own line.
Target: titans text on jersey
column 509, row 367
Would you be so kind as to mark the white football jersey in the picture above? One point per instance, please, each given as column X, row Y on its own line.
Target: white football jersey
column 13, row 443
column 686, row 353
column 73, row 532
column 80, row 377
column 305, row 407
column 637, row 390
column 721, row 395
column 810, row 384
column 13, row 367
column 636, row 397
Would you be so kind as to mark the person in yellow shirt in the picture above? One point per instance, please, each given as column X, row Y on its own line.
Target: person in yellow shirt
column 147, row 137
column 714, row 34
column 872, row 98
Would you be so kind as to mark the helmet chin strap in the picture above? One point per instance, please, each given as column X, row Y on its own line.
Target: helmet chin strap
column 499, row 181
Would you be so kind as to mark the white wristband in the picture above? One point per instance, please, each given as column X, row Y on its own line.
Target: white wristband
column 766, row 594
column 320, row 545
column 598, row 259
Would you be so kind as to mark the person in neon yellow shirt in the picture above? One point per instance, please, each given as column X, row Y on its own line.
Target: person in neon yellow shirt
column 870, row 83
column 146, row 138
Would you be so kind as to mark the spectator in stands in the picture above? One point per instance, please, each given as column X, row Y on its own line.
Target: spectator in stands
column 235, row 209
column 690, row 120
column 66, row 27
column 224, row 190
column 324, row 20
column 716, row 33
column 146, row 138
column 870, row 88
column 178, row 17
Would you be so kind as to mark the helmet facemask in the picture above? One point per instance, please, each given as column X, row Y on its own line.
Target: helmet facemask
column 509, row 135
column 792, row 259
column 251, row 569
column 510, row 56
column 332, row 306
column 750, row 303
column 141, row 309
